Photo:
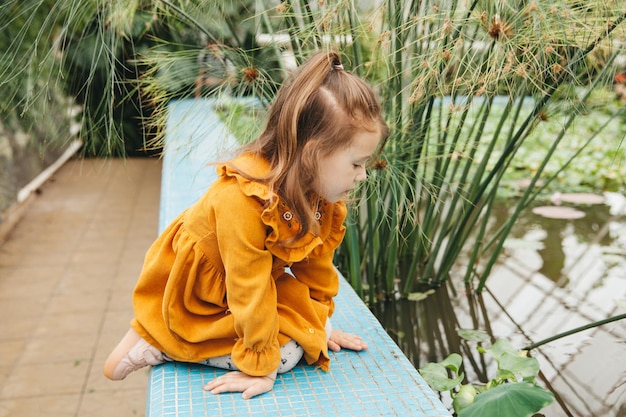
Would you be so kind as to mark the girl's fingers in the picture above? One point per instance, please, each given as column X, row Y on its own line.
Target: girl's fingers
column 346, row 340
column 333, row 346
column 255, row 390
column 249, row 386
column 225, row 383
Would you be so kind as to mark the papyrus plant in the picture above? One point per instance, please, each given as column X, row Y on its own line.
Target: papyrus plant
column 464, row 84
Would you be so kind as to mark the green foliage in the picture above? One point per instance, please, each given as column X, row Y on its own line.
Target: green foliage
column 436, row 374
column 511, row 365
column 519, row 399
column 242, row 119
column 477, row 94
column 226, row 32
column 121, row 61
column 32, row 102
column 465, row 90
column 102, row 50
column 513, row 391
column 35, row 114
column 479, row 97
column 598, row 166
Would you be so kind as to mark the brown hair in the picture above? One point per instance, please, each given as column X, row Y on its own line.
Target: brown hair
column 316, row 112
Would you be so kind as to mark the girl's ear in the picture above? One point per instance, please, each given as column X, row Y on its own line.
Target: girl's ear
column 310, row 146
column 309, row 162
column 309, row 153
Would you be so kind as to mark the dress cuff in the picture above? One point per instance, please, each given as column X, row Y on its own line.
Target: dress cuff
column 256, row 363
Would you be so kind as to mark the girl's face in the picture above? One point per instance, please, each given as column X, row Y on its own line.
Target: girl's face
column 341, row 170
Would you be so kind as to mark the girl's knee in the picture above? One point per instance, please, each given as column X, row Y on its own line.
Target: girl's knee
column 290, row 354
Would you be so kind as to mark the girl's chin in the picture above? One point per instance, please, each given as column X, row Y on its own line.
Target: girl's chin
column 344, row 196
column 334, row 199
column 337, row 197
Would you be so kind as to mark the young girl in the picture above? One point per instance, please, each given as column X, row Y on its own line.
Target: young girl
column 244, row 278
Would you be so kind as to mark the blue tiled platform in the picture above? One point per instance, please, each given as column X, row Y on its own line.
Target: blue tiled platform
column 378, row 382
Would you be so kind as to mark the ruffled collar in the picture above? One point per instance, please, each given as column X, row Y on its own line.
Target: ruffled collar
column 281, row 223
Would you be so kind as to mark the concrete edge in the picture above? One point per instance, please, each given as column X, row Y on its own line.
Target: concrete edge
column 14, row 213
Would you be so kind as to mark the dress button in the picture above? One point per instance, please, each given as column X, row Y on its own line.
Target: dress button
column 311, row 330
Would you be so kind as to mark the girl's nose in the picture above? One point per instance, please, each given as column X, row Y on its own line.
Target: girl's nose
column 361, row 175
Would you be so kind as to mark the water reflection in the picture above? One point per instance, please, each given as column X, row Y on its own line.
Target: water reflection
column 572, row 273
column 554, row 234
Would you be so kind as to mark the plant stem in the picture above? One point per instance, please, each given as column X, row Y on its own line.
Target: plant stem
column 575, row 330
column 190, row 19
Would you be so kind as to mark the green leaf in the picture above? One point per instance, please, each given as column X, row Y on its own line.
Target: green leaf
column 520, row 399
column 419, row 296
column 500, row 347
column 436, row 374
column 473, row 335
column 452, row 362
column 527, row 368
column 505, row 375
column 464, row 398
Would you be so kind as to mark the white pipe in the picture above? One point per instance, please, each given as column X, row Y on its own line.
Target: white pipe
column 27, row 190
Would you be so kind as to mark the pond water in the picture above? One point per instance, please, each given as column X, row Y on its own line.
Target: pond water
column 554, row 276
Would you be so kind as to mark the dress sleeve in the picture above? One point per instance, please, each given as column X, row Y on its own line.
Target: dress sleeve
column 250, row 288
column 319, row 274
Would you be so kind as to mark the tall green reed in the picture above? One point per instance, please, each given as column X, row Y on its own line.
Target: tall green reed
column 463, row 86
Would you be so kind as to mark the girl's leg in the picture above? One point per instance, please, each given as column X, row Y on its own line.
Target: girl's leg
column 131, row 354
column 290, row 355
column 329, row 329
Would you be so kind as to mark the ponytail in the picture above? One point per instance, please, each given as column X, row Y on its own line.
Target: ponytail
column 291, row 100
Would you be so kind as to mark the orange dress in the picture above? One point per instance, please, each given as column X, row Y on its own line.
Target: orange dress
column 214, row 282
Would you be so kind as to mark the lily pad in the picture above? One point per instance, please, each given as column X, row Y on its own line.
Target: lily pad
column 558, row 212
column 579, row 198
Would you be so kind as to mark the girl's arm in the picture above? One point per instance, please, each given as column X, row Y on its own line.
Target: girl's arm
column 250, row 288
column 320, row 275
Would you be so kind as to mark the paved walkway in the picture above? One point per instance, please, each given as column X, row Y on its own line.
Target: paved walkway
column 66, row 275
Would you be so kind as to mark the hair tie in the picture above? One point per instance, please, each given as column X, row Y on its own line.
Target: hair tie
column 337, row 65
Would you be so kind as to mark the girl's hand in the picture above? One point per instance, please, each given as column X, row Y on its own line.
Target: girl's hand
column 237, row 381
column 339, row 339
